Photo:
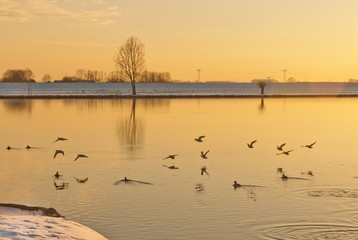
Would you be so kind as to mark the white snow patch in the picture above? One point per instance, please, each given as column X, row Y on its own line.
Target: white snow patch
column 16, row 224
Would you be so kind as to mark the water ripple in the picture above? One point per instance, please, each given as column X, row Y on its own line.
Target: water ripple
column 333, row 193
column 312, row 231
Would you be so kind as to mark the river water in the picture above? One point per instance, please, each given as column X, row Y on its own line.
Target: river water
column 130, row 138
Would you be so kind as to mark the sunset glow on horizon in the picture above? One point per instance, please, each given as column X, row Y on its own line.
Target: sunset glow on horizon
column 231, row 40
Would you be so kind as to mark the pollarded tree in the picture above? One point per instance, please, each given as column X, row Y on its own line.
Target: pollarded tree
column 130, row 59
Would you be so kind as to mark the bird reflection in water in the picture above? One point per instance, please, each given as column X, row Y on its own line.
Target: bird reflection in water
column 199, row 187
column 60, row 186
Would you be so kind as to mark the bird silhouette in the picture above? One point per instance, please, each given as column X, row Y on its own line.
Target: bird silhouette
column 199, row 139
column 203, row 155
column 80, row 156
column 171, row 156
column 251, row 145
column 58, row 152
column 127, row 180
column 236, row 185
column 203, row 170
column 284, row 177
column 284, row 152
column 309, row 145
column 60, row 139
column 171, row 167
column 8, row 148
column 81, row 180
column 280, row 147
column 57, row 175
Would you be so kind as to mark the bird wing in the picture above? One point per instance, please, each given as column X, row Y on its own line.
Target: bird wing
column 312, row 144
column 201, row 137
column 283, row 144
column 54, row 156
column 253, row 141
column 206, row 152
column 76, row 158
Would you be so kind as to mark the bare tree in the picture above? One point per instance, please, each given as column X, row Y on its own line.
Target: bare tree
column 130, row 59
column 46, row 78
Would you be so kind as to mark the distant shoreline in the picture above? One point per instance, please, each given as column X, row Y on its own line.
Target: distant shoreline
column 176, row 90
column 176, row 96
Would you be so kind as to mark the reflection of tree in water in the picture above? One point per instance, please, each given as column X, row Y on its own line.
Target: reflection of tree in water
column 18, row 105
column 98, row 104
column 130, row 130
column 262, row 105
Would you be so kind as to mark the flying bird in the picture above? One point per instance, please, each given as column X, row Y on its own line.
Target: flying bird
column 60, row 139
column 203, row 155
column 309, row 145
column 58, row 152
column 280, row 148
column 199, row 139
column 80, row 156
column 284, row 152
column 171, row 156
column 251, row 145
column 203, row 170
column 81, row 180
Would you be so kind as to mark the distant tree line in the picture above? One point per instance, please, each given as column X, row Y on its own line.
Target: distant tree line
column 84, row 75
column 18, row 75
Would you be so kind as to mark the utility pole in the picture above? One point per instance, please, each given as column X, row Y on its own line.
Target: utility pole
column 198, row 79
column 284, row 74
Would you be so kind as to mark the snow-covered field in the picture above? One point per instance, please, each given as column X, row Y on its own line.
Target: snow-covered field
column 17, row 224
column 176, row 89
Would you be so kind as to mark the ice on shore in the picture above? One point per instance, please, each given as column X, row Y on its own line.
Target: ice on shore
column 18, row 224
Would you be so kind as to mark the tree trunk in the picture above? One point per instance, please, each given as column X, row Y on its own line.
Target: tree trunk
column 134, row 92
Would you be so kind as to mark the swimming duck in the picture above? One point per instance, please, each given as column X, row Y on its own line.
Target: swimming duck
column 125, row 180
column 28, row 147
column 309, row 145
column 171, row 156
column 80, row 156
column 236, row 185
column 199, row 139
column 284, row 177
column 280, row 147
column 171, row 167
column 57, row 175
column 8, row 148
column 203, row 155
column 58, row 152
column 251, row 145
column 60, row 139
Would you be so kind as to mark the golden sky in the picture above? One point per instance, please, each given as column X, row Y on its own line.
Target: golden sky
column 229, row 40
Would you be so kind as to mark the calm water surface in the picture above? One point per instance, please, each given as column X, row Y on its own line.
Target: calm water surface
column 126, row 138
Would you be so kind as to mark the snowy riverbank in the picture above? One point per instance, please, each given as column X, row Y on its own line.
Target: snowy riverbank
column 118, row 90
column 19, row 224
